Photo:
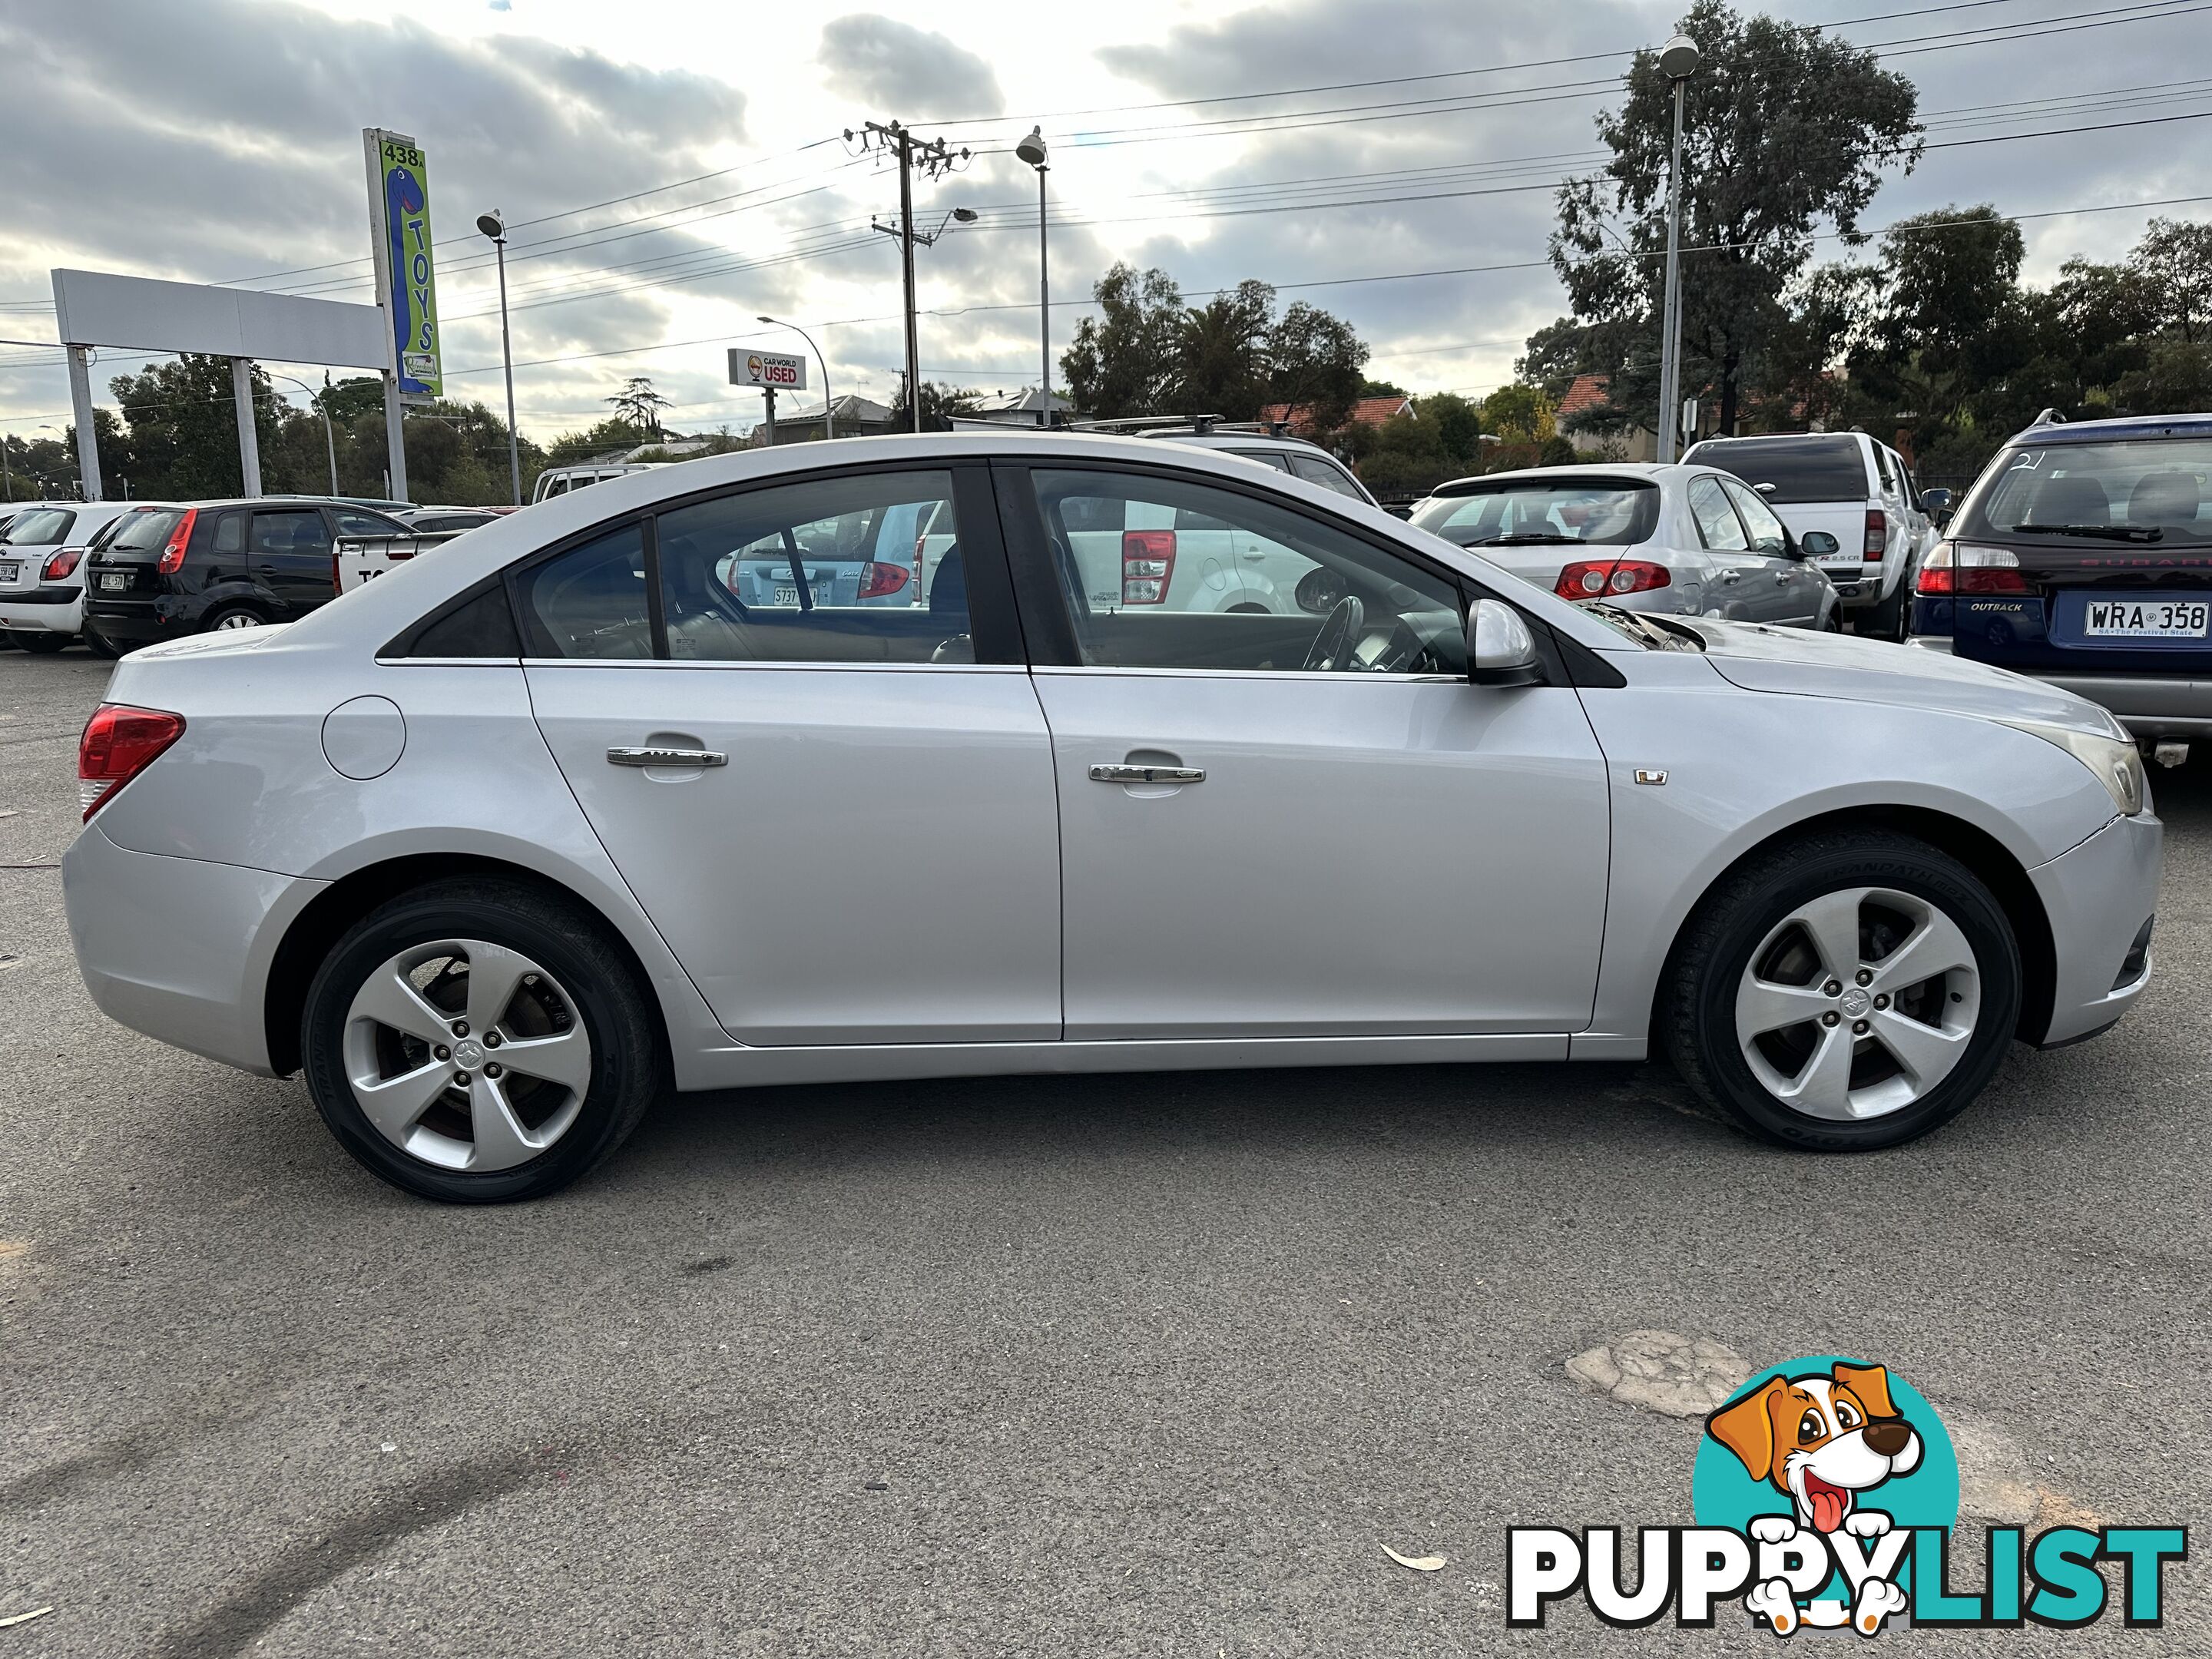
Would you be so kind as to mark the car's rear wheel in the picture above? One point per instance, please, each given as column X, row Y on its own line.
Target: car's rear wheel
column 234, row 616
column 100, row 645
column 1848, row 992
column 479, row 1041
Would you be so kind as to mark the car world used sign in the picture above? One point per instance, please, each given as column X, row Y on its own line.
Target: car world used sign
column 767, row 368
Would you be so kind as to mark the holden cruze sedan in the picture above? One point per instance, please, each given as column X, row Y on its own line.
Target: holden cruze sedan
column 502, row 846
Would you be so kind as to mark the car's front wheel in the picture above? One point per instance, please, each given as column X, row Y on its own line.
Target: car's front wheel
column 479, row 1041
column 1851, row 991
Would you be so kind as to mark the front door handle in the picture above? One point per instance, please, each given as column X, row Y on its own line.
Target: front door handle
column 1148, row 775
column 648, row 755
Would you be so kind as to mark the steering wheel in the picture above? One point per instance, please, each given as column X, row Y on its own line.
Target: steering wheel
column 1340, row 632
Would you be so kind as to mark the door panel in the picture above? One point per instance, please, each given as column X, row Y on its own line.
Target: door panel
column 877, row 862
column 1366, row 855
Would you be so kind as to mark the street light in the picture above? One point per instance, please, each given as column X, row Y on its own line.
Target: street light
column 496, row 227
column 316, row 403
column 1032, row 151
column 1678, row 62
column 828, row 431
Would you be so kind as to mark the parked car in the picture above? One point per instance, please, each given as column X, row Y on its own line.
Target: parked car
column 882, row 558
column 1673, row 539
column 42, row 553
column 1268, row 442
column 561, row 480
column 450, row 520
column 1858, row 490
column 221, row 565
column 460, row 844
column 2082, row 555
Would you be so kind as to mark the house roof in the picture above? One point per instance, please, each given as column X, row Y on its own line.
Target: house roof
column 1588, row 391
column 1365, row 411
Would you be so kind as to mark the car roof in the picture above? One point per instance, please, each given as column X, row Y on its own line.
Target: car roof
column 1851, row 437
column 1636, row 471
column 2123, row 426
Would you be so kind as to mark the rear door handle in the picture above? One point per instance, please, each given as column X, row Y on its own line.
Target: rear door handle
column 648, row 755
column 1148, row 775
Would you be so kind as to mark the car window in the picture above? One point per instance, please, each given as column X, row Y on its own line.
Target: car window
column 1272, row 590
column 293, row 531
column 1611, row 513
column 146, row 531
column 230, row 534
column 1813, row 468
column 1718, row 526
column 1313, row 470
column 862, row 569
column 42, row 527
column 2132, row 489
column 1882, row 463
column 353, row 522
column 1266, row 458
column 1767, row 535
column 589, row 601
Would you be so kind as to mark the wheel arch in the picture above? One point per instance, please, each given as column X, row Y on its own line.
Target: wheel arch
column 1987, row 858
column 324, row 921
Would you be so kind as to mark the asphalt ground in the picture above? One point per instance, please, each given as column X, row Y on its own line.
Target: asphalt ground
column 1143, row 1365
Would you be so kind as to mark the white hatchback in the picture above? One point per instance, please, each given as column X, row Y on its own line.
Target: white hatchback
column 42, row 553
column 500, row 846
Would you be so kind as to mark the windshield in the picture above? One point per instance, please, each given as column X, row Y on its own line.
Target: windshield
column 2153, row 489
column 42, row 527
column 1808, row 468
column 1610, row 512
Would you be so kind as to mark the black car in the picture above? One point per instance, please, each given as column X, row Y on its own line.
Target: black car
column 2083, row 557
column 220, row 564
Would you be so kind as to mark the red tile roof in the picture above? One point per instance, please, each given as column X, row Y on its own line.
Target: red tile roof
column 1365, row 411
column 1588, row 391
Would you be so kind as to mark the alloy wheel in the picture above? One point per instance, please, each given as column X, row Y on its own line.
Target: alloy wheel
column 1858, row 1003
column 467, row 1054
column 237, row 619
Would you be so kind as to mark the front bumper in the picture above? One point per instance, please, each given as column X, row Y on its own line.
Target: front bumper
column 2098, row 896
column 44, row 611
column 179, row 948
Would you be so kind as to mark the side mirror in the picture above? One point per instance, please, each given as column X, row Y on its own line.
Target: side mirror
column 1936, row 504
column 1764, row 489
column 1500, row 649
column 1818, row 544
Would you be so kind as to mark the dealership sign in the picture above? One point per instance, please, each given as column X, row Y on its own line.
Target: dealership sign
column 406, row 283
column 767, row 368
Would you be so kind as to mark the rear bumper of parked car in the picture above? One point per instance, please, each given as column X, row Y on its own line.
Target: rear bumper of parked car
column 178, row 948
column 135, row 621
column 2100, row 898
column 2151, row 706
column 44, row 611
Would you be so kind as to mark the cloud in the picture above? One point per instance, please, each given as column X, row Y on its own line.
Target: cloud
column 894, row 66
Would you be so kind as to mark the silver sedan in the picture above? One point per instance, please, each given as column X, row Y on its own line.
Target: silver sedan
column 1691, row 541
column 501, row 846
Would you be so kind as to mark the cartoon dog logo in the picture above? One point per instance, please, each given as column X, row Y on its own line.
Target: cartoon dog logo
column 1822, row 1439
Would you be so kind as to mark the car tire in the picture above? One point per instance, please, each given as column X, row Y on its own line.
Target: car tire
column 42, row 645
column 232, row 617
column 100, row 645
column 499, row 1134
column 1816, row 1084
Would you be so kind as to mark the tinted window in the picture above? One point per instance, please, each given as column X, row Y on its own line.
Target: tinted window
column 291, row 532
column 1718, row 524
column 2160, row 485
column 484, row 627
column 1607, row 511
column 1767, row 535
column 1265, row 456
column 230, row 534
column 353, row 522
column 1313, row 470
column 589, row 601
column 146, row 531
column 1271, row 589
column 860, row 568
column 1808, row 468
column 42, row 527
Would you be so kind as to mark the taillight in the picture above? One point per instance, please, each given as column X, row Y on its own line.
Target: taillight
column 119, row 741
column 1877, row 533
column 1594, row 579
column 62, row 564
column 1963, row 568
column 878, row 580
column 172, row 555
column 1147, row 566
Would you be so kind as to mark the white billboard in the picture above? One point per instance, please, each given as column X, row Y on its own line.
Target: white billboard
column 99, row 308
column 770, row 369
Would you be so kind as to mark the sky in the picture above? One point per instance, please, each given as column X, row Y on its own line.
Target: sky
column 673, row 169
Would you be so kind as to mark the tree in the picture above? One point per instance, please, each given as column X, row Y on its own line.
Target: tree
column 639, row 405
column 1315, row 362
column 2175, row 260
column 1519, row 414
column 1458, row 425
column 1946, row 280
column 180, row 436
column 1125, row 361
column 940, row 403
column 1223, row 351
column 1784, row 126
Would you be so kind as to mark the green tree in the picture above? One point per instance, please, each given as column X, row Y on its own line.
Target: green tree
column 2175, row 259
column 180, row 429
column 1947, row 280
column 1222, row 353
column 1125, row 361
column 1315, row 363
column 1457, row 423
column 1519, row 413
column 940, row 403
column 639, row 405
column 1784, row 126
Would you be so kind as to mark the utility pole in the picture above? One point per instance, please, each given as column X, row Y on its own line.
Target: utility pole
column 935, row 160
column 1678, row 62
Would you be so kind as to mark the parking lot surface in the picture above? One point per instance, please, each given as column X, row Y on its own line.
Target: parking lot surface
column 1152, row 1364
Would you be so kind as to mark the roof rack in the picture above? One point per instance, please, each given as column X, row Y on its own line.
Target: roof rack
column 1142, row 425
column 2048, row 417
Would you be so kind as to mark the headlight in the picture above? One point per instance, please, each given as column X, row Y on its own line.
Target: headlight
column 2116, row 761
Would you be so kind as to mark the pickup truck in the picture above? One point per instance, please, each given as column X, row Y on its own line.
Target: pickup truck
column 358, row 559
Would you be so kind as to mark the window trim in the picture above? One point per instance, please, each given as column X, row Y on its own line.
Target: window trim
column 1747, row 550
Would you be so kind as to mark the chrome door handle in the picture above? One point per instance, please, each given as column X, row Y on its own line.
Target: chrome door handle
column 1148, row 775
column 649, row 755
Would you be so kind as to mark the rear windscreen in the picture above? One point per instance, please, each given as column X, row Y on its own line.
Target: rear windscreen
column 2149, row 489
column 1812, row 468
column 144, row 533
column 1607, row 511
column 41, row 526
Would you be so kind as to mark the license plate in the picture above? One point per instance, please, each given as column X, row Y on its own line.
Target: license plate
column 9, row 569
column 114, row 581
column 789, row 595
column 2147, row 619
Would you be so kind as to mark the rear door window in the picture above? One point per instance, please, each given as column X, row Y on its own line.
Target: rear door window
column 1816, row 468
column 291, row 532
column 1313, row 470
column 590, row 601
